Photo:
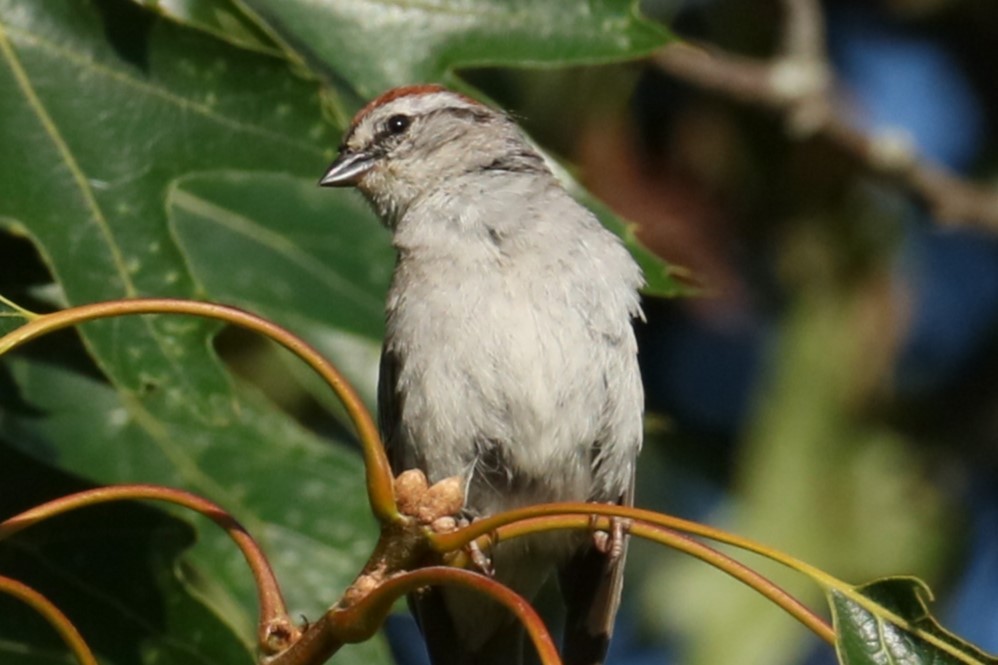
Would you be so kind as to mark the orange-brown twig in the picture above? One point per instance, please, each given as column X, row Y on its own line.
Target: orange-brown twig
column 67, row 631
column 276, row 630
column 677, row 541
column 379, row 476
column 361, row 620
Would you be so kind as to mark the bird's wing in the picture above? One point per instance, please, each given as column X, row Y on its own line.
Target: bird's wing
column 390, row 410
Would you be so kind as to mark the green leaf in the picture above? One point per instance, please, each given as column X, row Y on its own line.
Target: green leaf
column 147, row 158
column 102, row 117
column 375, row 45
column 10, row 318
column 101, row 137
column 331, row 260
column 322, row 270
column 220, row 18
column 275, row 478
column 497, row 32
column 888, row 621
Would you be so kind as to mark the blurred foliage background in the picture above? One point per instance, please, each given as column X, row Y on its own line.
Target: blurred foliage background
column 830, row 390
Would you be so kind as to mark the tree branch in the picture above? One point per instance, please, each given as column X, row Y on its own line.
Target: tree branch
column 798, row 85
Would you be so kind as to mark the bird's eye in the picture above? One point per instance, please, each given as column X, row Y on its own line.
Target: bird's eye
column 398, row 123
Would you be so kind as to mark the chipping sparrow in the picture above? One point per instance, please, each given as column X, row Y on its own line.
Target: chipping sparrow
column 509, row 357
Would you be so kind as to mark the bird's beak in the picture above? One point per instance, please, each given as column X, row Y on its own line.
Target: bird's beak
column 347, row 169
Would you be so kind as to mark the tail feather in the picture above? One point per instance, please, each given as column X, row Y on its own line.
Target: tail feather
column 504, row 647
column 591, row 582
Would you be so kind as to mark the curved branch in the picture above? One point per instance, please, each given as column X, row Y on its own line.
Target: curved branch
column 360, row 621
column 276, row 630
column 797, row 84
column 379, row 477
column 455, row 540
column 67, row 631
column 677, row 541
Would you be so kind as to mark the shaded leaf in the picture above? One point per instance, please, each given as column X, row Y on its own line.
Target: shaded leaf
column 895, row 626
column 9, row 319
column 113, row 570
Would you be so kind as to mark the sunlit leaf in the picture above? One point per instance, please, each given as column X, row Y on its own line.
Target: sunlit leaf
column 102, row 117
column 221, row 18
column 890, row 623
column 375, row 45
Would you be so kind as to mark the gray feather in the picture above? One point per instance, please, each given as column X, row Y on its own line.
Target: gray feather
column 509, row 357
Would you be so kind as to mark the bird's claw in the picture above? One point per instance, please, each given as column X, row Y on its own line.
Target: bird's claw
column 481, row 560
column 610, row 542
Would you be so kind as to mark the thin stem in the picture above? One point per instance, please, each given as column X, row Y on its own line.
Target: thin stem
column 67, row 631
column 454, row 541
column 276, row 628
column 804, row 96
column 379, row 477
column 742, row 573
column 18, row 310
column 803, row 30
column 677, row 541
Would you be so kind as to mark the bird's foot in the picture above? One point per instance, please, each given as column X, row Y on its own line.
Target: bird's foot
column 610, row 542
column 479, row 558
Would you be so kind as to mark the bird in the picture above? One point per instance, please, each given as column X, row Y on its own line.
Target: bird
column 509, row 358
